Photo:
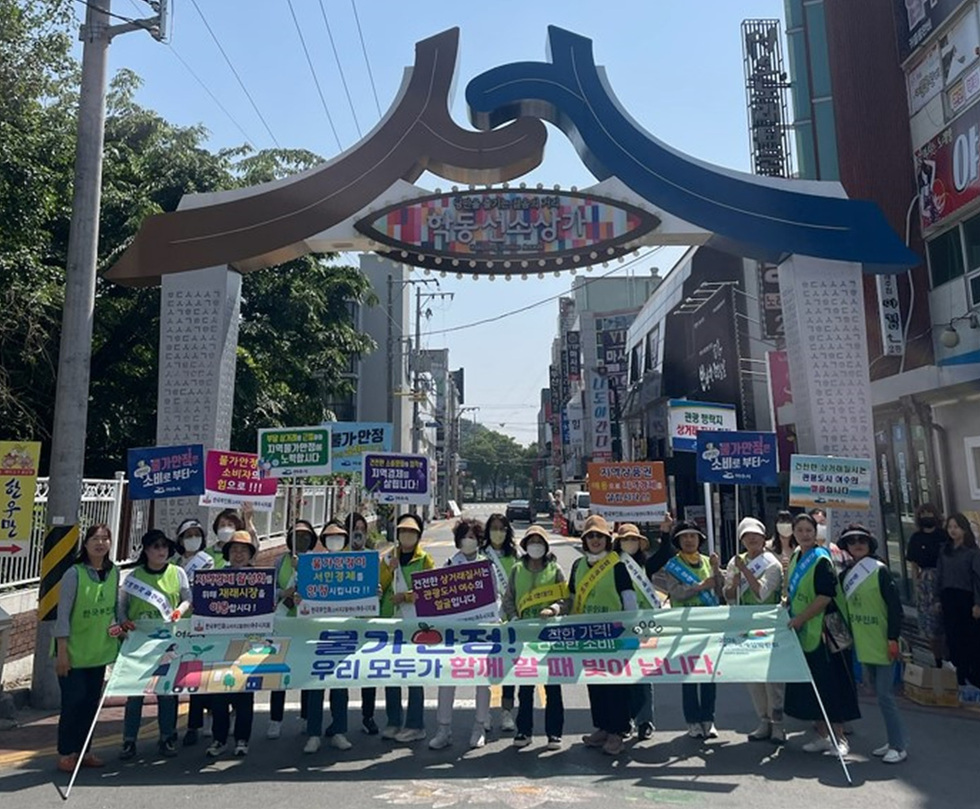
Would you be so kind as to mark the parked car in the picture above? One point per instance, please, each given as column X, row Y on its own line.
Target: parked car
column 577, row 511
column 519, row 510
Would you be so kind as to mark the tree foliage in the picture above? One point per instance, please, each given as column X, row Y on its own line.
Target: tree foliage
column 296, row 335
column 495, row 463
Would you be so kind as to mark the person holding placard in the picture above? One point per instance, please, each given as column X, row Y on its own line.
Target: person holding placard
column 536, row 588
column 498, row 545
column 357, row 530
column 752, row 578
column 632, row 548
column 300, row 539
column 468, row 535
column 695, row 580
column 333, row 537
column 875, row 609
column 153, row 589
column 601, row 583
column 819, row 612
column 85, row 642
column 239, row 552
column 398, row 601
column 192, row 557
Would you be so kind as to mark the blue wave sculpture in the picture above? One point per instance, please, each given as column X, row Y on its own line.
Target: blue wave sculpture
column 766, row 219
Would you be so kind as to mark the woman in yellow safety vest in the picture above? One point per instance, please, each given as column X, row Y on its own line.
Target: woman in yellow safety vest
column 753, row 578
column 498, row 547
column 600, row 583
column 83, row 643
column 536, row 588
column 814, row 596
column 875, row 609
column 154, row 589
column 398, row 600
column 300, row 539
column 695, row 580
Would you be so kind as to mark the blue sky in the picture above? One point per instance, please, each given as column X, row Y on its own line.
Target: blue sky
column 676, row 67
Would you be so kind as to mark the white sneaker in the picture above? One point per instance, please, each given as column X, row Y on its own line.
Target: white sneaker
column 878, row 752
column 710, row 732
column 821, row 744
column 478, row 737
column 409, row 735
column 442, row 739
column 216, row 749
column 390, row 732
column 340, row 741
column 843, row 748
column 241, row 748
column 274, row 731
column 312, row 744
column 695, row 731
column 507, row 721
column 894, row 756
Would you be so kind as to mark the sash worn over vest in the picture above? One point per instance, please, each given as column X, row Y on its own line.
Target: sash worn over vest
column 148, row 592
column 644, row 589
column 685, row 575
column 595, row 592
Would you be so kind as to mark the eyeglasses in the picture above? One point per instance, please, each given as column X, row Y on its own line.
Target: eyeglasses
column 593, row 535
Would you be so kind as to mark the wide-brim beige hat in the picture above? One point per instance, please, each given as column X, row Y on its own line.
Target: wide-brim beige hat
column 535, row 531
column 597, row 524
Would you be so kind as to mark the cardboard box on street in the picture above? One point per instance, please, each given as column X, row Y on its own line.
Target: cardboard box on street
column 931, row 686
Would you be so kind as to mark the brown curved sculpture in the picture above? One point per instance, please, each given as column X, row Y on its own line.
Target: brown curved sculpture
column 268, row 228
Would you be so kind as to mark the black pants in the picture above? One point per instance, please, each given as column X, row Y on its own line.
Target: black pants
column 962, row 634
column 81, row 690
column 507, row 698
column 195, row 711
column 554, row 710
column 244, row 705
column 369, row 697
column 610, row 706
column 277, row 705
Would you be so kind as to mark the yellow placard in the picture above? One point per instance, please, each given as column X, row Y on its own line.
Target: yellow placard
column 19, row 461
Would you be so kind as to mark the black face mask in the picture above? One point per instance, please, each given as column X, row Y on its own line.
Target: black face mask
column 927, row 522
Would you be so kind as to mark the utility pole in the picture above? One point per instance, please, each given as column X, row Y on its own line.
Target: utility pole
column 75, row 354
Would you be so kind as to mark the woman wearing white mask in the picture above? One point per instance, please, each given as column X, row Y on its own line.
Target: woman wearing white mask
column 783, row 543
column 467, row 535
column 537, row 589
column 192, row 557
column 357, row 530
column 398, row 601
column 498, row 545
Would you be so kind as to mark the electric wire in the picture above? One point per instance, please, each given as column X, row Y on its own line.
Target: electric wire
column 367, row 62
column 233, row 69
column 107, row 12
column 340, row 68
column 316, row 81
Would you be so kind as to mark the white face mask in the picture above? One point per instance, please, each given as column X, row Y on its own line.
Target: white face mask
column 630, row 546
column 469, row 545
column 497, row 537
column 596, row 557
column 357, row 540
column 193, row 544
column 536, row 550
column 784, row 529
column 334, row 543
column 224, row 534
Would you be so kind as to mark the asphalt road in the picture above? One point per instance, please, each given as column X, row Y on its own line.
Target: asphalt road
column 668, row 770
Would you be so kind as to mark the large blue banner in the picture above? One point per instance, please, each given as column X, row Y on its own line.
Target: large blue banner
column 739, row 457
column 351, row 439
column 158, row 472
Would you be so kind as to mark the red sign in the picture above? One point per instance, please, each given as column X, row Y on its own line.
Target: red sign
column 947, row 169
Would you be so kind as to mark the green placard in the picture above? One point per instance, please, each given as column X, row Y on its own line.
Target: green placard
column 294, row 452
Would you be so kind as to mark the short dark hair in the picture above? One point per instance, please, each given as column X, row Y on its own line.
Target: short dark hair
column 353, row 519
column 463, row 527
column 231, row 515
column 83, row 551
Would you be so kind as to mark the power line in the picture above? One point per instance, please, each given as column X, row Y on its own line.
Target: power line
column 231, row 66
column 542, row 302
column 316, row 81
column 343, row 78
column 360, row 34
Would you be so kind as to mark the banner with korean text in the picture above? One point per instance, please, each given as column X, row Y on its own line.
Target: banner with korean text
column 704, row 644
column 351, row 439
column 233, row 479
column 294, row 452
column 343, row 583
column 829, row 482
column 461, row 591
column 19, row 461
column 628, row 491
column 390, row 477
column 687, row 418
column 740, row 457
column 234, row 600
column 158, row 472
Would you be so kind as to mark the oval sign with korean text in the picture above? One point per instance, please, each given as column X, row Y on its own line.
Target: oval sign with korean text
column 507, row 230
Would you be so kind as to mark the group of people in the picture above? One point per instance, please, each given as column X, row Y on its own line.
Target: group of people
column 843, row 605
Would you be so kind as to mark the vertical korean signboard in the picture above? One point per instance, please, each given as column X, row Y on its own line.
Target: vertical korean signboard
column 600, row 402
column 19, row 461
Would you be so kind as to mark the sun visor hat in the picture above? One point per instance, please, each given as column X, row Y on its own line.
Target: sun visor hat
column 685, row 527
column 852, row 532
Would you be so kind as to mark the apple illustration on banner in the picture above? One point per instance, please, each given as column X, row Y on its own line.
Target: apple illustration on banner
column 426, row 636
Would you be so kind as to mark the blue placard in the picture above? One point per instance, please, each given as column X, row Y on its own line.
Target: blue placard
column 739, row 457
column 351, row 439
column 342, row 583
column 158, row 472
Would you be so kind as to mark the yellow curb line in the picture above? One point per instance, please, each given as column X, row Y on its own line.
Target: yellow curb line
column 98, row 743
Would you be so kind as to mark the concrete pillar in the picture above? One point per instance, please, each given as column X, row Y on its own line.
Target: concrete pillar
column 827, row 347
column 199, row 314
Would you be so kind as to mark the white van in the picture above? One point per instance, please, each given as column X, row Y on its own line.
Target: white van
column 578, row 510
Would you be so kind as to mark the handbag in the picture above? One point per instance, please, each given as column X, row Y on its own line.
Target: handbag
column 837, row 632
